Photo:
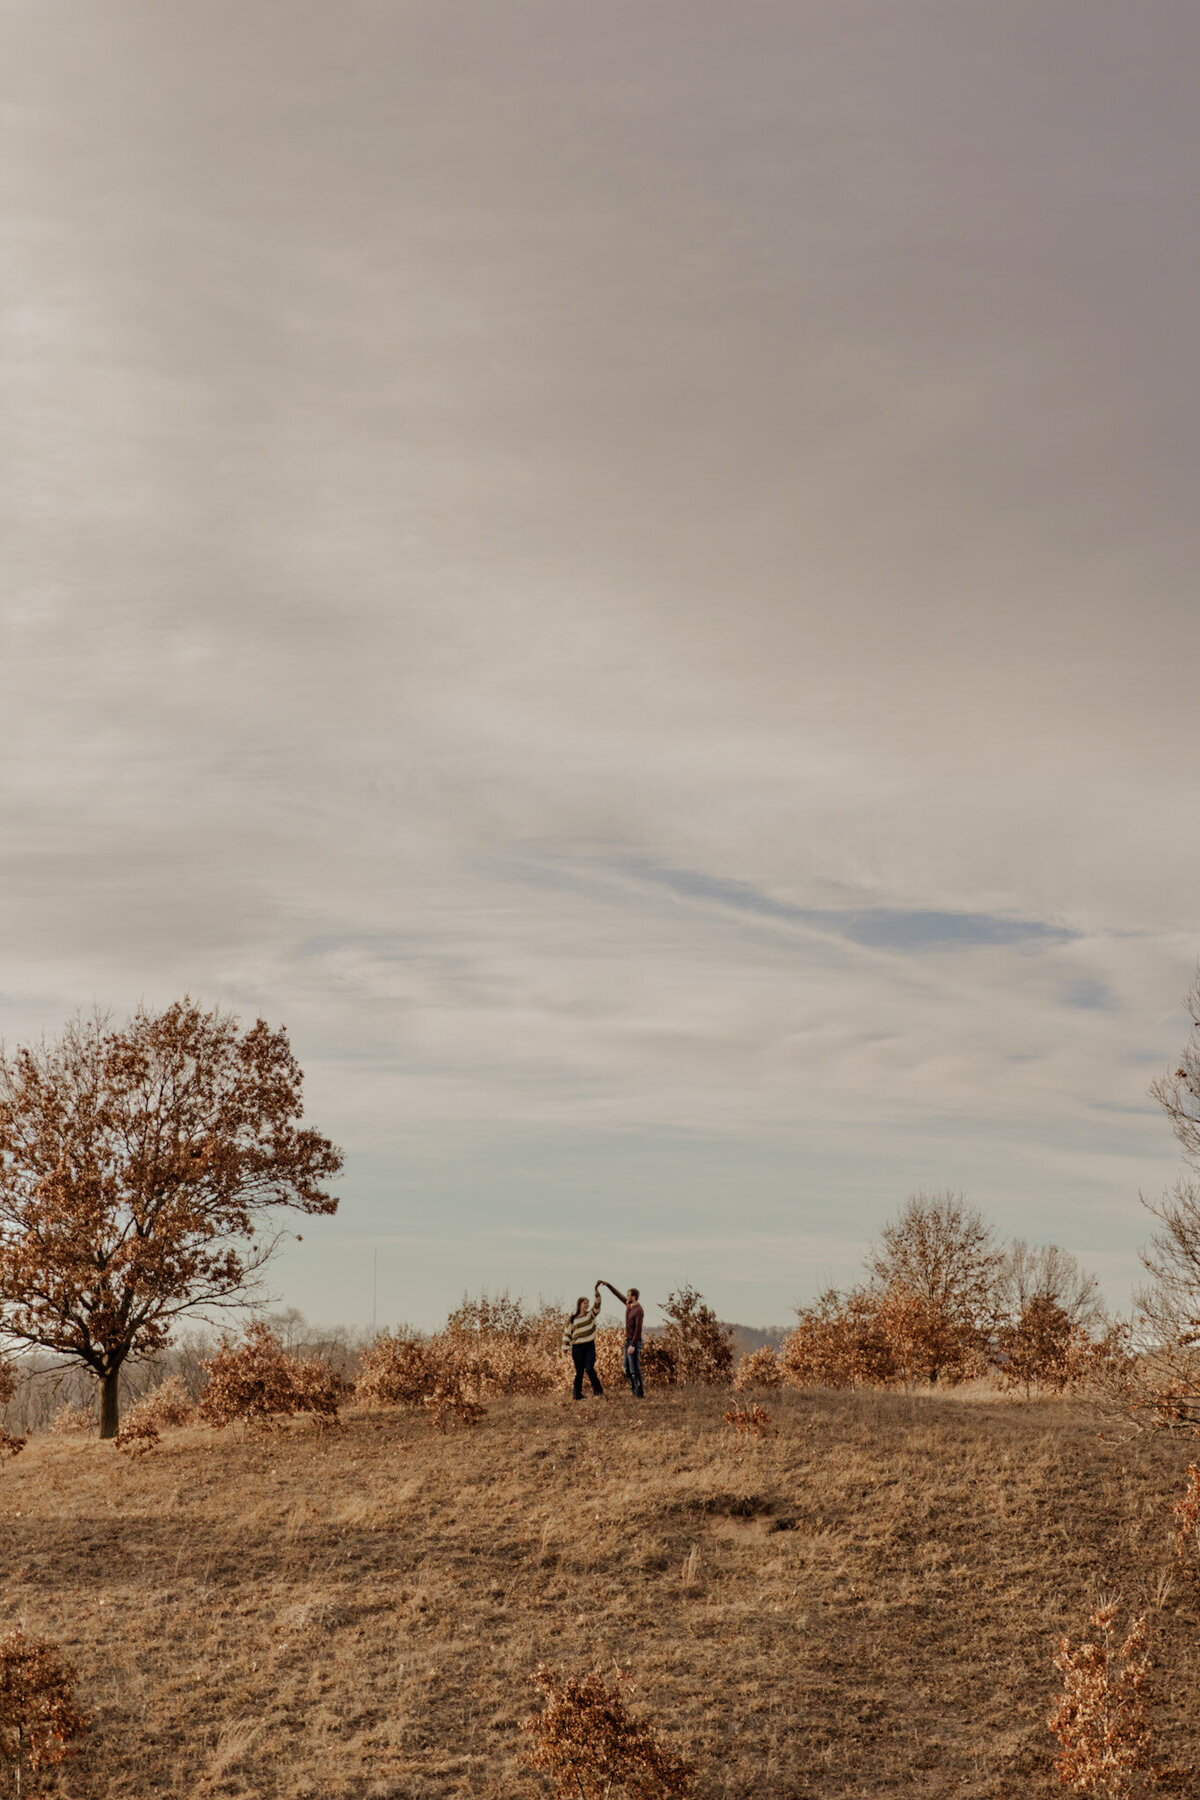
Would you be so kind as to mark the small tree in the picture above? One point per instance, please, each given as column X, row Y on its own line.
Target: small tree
column 38, row 1716
column 592, row 1747
column 941, row 1250
column 138, row 1172
column 701, row 1348
column 1041, row 1348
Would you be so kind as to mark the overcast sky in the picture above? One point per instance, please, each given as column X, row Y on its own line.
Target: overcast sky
column 627, row 571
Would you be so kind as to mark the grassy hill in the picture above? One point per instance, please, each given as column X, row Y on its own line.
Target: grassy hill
column 867, row 1604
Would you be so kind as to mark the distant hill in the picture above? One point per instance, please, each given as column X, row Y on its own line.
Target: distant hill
column 753, row 1337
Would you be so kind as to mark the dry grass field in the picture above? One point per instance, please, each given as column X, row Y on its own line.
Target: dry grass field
column 866, row 1604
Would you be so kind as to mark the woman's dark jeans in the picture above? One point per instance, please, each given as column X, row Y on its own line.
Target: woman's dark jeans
column 584, row 1358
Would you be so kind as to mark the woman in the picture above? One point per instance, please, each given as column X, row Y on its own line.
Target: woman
column 580, row 1339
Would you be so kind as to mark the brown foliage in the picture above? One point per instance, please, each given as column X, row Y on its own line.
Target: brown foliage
column 137, row 1436
column 699, row 1346
column 396, row 1370
column 752, row 1422
column 9, row 1445
column 71, row 1421
column 258, row 1381
column 38, row 1715
column 591, row 1746
column 168, row 1405
column 1187, row 1513
column 1042, row 1348
column 450, row 1404
column 878, row 1338
column 941, row 1252
column 760, row 1368
column 1101, row 1720
column 136, row 1167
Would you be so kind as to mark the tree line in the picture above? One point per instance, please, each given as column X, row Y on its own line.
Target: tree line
column 143, row 1169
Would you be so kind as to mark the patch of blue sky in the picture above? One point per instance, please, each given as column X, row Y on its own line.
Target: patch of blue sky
column 1089, row 995
column 876, row 928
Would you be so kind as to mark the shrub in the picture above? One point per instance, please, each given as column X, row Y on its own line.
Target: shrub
column 591, row 1746
column 10, row 1446
column 38, row 1715
column 1187, row 1513
column 71, row 1420
column 838, row 1342
column 8, row 1382
column 449, row 1404
column 761, row 1368
column 258, row 1382
column 879, row 1337
column 752, row 1422
column 658, row 1364
column 137, row 1436
column 169, row 1404
column 396, row 1371
column 700, row 1347
column 1101, row 1720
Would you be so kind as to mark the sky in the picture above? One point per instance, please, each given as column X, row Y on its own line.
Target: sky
column 628, row 573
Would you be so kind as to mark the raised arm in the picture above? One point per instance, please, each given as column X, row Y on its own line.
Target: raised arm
column 623, row 1298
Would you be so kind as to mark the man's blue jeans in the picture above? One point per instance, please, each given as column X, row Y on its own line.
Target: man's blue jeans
column 633, row 1368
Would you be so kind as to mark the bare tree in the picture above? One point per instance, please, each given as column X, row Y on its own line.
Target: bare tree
column 1044, row 1274
column 1159, row 1383
column 138, row 1172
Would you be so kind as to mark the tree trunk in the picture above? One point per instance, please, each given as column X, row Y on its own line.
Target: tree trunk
column 109, row 1404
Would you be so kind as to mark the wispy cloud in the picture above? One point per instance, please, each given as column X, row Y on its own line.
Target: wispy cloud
column 658, row 639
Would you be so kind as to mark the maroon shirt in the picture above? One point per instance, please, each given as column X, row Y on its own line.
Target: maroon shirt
column 634, row 1314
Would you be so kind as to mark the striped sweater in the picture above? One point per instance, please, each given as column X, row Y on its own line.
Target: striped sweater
column 581, row 1328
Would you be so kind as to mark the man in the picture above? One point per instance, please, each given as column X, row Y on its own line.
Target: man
column 634, row 1319
column 580, row 1339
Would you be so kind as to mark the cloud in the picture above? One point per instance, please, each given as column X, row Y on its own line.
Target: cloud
column 624, row 572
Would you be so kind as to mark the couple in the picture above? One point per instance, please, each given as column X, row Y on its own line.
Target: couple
column 580, row 1339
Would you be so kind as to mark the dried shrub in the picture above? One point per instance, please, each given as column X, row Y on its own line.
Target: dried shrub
column 165, row 1407
column 1187, row 1513
column 1102, row 1721
column 259, row 1382
column 880, row 1337
column 591, row 1747
column 658, row 1364
column 137, row 1436
column 760, row 1368
column 396, row 1370
column 838, row 1343
column 9, row 1445
column 700, row 1347
column 610, row 1356
column 73, row 1421
column 8, row 1382
column 168, row 1406
column 450, row 1405
column 751, row 1422
column 38, row 1716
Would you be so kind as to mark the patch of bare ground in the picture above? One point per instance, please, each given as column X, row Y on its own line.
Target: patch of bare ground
column 866, row 1604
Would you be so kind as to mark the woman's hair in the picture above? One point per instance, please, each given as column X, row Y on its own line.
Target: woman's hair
column 581, row 1305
